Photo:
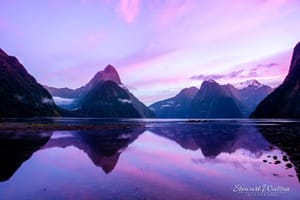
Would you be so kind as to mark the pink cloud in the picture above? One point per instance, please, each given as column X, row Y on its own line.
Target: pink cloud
column 173, row 10
column 129, row 10
column 200, row 21
column 274, row 75
column 139, row 63
column 270, row 70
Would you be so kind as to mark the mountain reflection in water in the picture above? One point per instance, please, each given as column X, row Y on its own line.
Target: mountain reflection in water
column 154, row 160
column 16, row 148
column 102, row 147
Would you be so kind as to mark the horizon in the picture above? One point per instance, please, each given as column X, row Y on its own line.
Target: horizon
column 70, row 41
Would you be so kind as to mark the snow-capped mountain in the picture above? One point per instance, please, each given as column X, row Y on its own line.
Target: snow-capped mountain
column 248, row 83
column 253, row 94
column 213, row 100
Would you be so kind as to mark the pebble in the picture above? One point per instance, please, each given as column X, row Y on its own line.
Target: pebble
column 277, row 162
column 285, row 159
column 289, row 165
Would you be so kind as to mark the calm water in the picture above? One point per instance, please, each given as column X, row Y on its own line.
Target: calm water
column 153, row 160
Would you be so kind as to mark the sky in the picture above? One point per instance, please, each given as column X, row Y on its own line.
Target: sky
column 158, row 46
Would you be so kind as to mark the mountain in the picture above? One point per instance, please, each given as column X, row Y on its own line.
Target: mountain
column 108, row 74
column 103, row 96
column 175, row 107
column 21, row 95
column 143, row 110
column 245, row 95
column 252, row 94
column 283, row 102
column 108, row 100
column 249, row 93
column 215, row 101
column 248, row 83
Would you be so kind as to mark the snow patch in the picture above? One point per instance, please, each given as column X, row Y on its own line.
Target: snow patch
column 170, row 102
column 124, row 136
column 253, row 83
column 47, row 101
column 19, row 98
column 123, row 86
column 165, row 106
column 63, row 101
column 125, row 100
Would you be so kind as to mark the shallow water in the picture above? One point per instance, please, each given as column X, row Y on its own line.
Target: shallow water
column 155, row 159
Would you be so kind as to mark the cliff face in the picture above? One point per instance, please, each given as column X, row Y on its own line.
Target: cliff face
column 21, row 95
column 283, row 102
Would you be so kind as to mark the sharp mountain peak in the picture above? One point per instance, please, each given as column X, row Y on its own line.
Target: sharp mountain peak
column 110, row 68
column 108, row 74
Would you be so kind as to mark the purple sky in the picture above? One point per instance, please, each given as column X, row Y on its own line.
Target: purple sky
column 158, row 46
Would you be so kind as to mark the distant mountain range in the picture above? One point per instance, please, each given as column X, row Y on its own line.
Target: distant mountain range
column 106, row 96
column 213, row 100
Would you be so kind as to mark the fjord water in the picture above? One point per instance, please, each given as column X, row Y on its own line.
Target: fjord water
column 153, row 159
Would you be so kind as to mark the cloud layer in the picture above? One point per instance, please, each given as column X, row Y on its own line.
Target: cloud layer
column 129, row 9
column 158, row 46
